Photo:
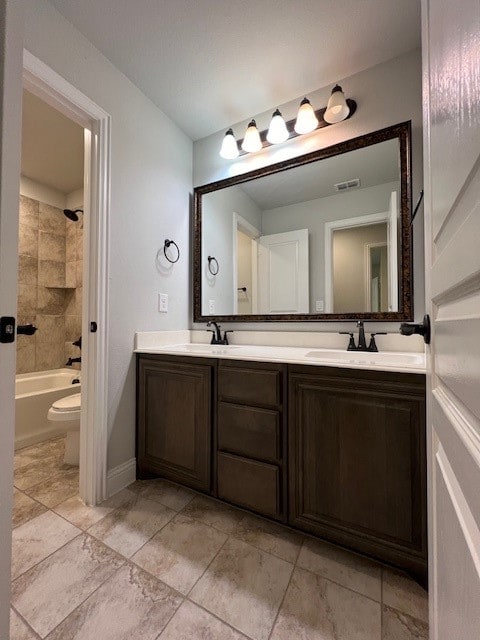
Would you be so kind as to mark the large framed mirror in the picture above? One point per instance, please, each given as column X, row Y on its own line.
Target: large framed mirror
column 323, row 236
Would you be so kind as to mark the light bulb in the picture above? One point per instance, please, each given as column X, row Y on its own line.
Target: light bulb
column 337, row 107
column 229, row 149
column 252, row 141
column 277, row 131
column 306, row 118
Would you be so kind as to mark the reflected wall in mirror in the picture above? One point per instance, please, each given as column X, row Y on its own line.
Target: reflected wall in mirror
column 323, row 236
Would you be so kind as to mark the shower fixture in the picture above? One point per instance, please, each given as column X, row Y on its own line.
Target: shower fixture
column 72, row 214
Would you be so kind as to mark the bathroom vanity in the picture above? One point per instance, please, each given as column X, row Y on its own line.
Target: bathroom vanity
column 332, row 443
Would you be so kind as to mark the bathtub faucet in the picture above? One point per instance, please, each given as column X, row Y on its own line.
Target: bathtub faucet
column 70, row 361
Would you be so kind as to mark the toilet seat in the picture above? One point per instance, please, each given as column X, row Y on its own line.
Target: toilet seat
column 66, row 409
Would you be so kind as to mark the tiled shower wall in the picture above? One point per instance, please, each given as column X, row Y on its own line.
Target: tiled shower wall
column 49, row 286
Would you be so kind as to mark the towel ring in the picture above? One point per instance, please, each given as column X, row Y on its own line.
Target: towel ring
column 165, row 247
column 216, row 268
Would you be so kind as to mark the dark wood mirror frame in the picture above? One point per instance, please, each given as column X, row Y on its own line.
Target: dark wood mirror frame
column 402, row 132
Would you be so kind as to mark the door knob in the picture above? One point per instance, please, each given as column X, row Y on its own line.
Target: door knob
column 423, row 329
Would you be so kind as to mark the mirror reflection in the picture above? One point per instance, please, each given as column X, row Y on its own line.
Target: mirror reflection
column 317, row 238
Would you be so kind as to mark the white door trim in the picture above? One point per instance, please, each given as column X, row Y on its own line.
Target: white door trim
column 347, row 223
column 56, row 91
column 240, row 223
column 368, row 270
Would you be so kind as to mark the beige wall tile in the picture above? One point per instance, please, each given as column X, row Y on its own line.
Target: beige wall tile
column 28, row 212
column 27, row 240
column 51, row 301
column 51, row 329
column 79, row 272
column 73, row 327
column 27, row 270
column 51, row 273
column 79, row 246
column 51, row 246
column 51, row 219
column 50, row 355
column 71, row 302
column 26, row 354
column 71, row 274
column 71, row 243
column 27, row 299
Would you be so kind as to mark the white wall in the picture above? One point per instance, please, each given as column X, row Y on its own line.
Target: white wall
column 218, row 208
column 386, row 94
column 151, row 179
column 313, row 215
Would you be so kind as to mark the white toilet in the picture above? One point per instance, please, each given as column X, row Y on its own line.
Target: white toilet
column 66, row 411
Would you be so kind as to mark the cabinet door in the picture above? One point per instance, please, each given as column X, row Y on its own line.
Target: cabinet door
column 174, row 420
column 357, row 462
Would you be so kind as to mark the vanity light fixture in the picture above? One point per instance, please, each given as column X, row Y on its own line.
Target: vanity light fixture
column 337, row 108
column 308, row 119
column 229, row 149
column 277, row 131
column 252, row 141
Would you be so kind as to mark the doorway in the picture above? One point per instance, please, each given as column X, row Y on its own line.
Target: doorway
column 44, row 84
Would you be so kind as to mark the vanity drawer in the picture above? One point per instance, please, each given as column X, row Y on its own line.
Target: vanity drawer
column 245, row 383
column 248, row 483
column 249, row 431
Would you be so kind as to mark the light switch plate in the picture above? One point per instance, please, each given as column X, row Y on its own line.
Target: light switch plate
column 163, row 302
column 211, row 306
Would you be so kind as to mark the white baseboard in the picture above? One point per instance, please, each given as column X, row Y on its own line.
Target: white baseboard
column 120, row 477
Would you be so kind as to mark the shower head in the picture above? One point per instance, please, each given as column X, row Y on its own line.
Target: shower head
column 72, row 215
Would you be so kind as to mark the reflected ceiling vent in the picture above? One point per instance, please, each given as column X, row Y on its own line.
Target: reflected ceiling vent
column 347, row 185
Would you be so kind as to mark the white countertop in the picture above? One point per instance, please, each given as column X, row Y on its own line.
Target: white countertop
column 177, row 343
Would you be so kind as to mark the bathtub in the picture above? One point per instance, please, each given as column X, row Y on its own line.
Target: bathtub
column 34, row 395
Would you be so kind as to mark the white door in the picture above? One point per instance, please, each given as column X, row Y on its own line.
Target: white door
column 11, row 26
column 452, row 228
column 283, row 272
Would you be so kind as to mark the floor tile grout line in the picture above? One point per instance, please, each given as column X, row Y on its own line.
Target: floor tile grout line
column 124, row 562
column 214, row 615
column 25, row 621
column 83, row 601
column 208, row 566
column 281, row 602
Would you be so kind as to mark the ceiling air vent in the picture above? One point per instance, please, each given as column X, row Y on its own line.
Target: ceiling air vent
column 347, row 185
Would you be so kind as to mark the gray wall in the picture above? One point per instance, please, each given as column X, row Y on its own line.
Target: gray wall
column 313, row 214
column 217, row 233
column 386, row 94
column 151, row 182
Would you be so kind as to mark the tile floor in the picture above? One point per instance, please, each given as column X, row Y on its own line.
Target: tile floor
column 160, row 562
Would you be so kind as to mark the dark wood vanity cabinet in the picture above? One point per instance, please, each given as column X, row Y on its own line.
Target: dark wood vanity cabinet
column 338, row 453
column 357, row 461
column 174, row 419
column 250, row 436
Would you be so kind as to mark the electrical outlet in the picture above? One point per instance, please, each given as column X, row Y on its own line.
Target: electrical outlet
column 319, row 306
column 163, row 302
column 211, row 307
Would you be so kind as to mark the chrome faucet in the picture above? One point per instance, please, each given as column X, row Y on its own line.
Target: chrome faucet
column 217, row 334
column 362, row 343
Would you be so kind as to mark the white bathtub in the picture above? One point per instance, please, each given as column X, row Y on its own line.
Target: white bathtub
column 34, row 395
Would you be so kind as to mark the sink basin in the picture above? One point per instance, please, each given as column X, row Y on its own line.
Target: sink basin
column 386, row 358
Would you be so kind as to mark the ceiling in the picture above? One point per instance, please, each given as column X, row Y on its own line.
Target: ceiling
column 52, row 146
column 373, row 165
column 211, row 63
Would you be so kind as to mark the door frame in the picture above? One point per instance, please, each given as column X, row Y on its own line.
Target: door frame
column 44, row 82
column 241, row 224
column 346, row 223
column 367, row 250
